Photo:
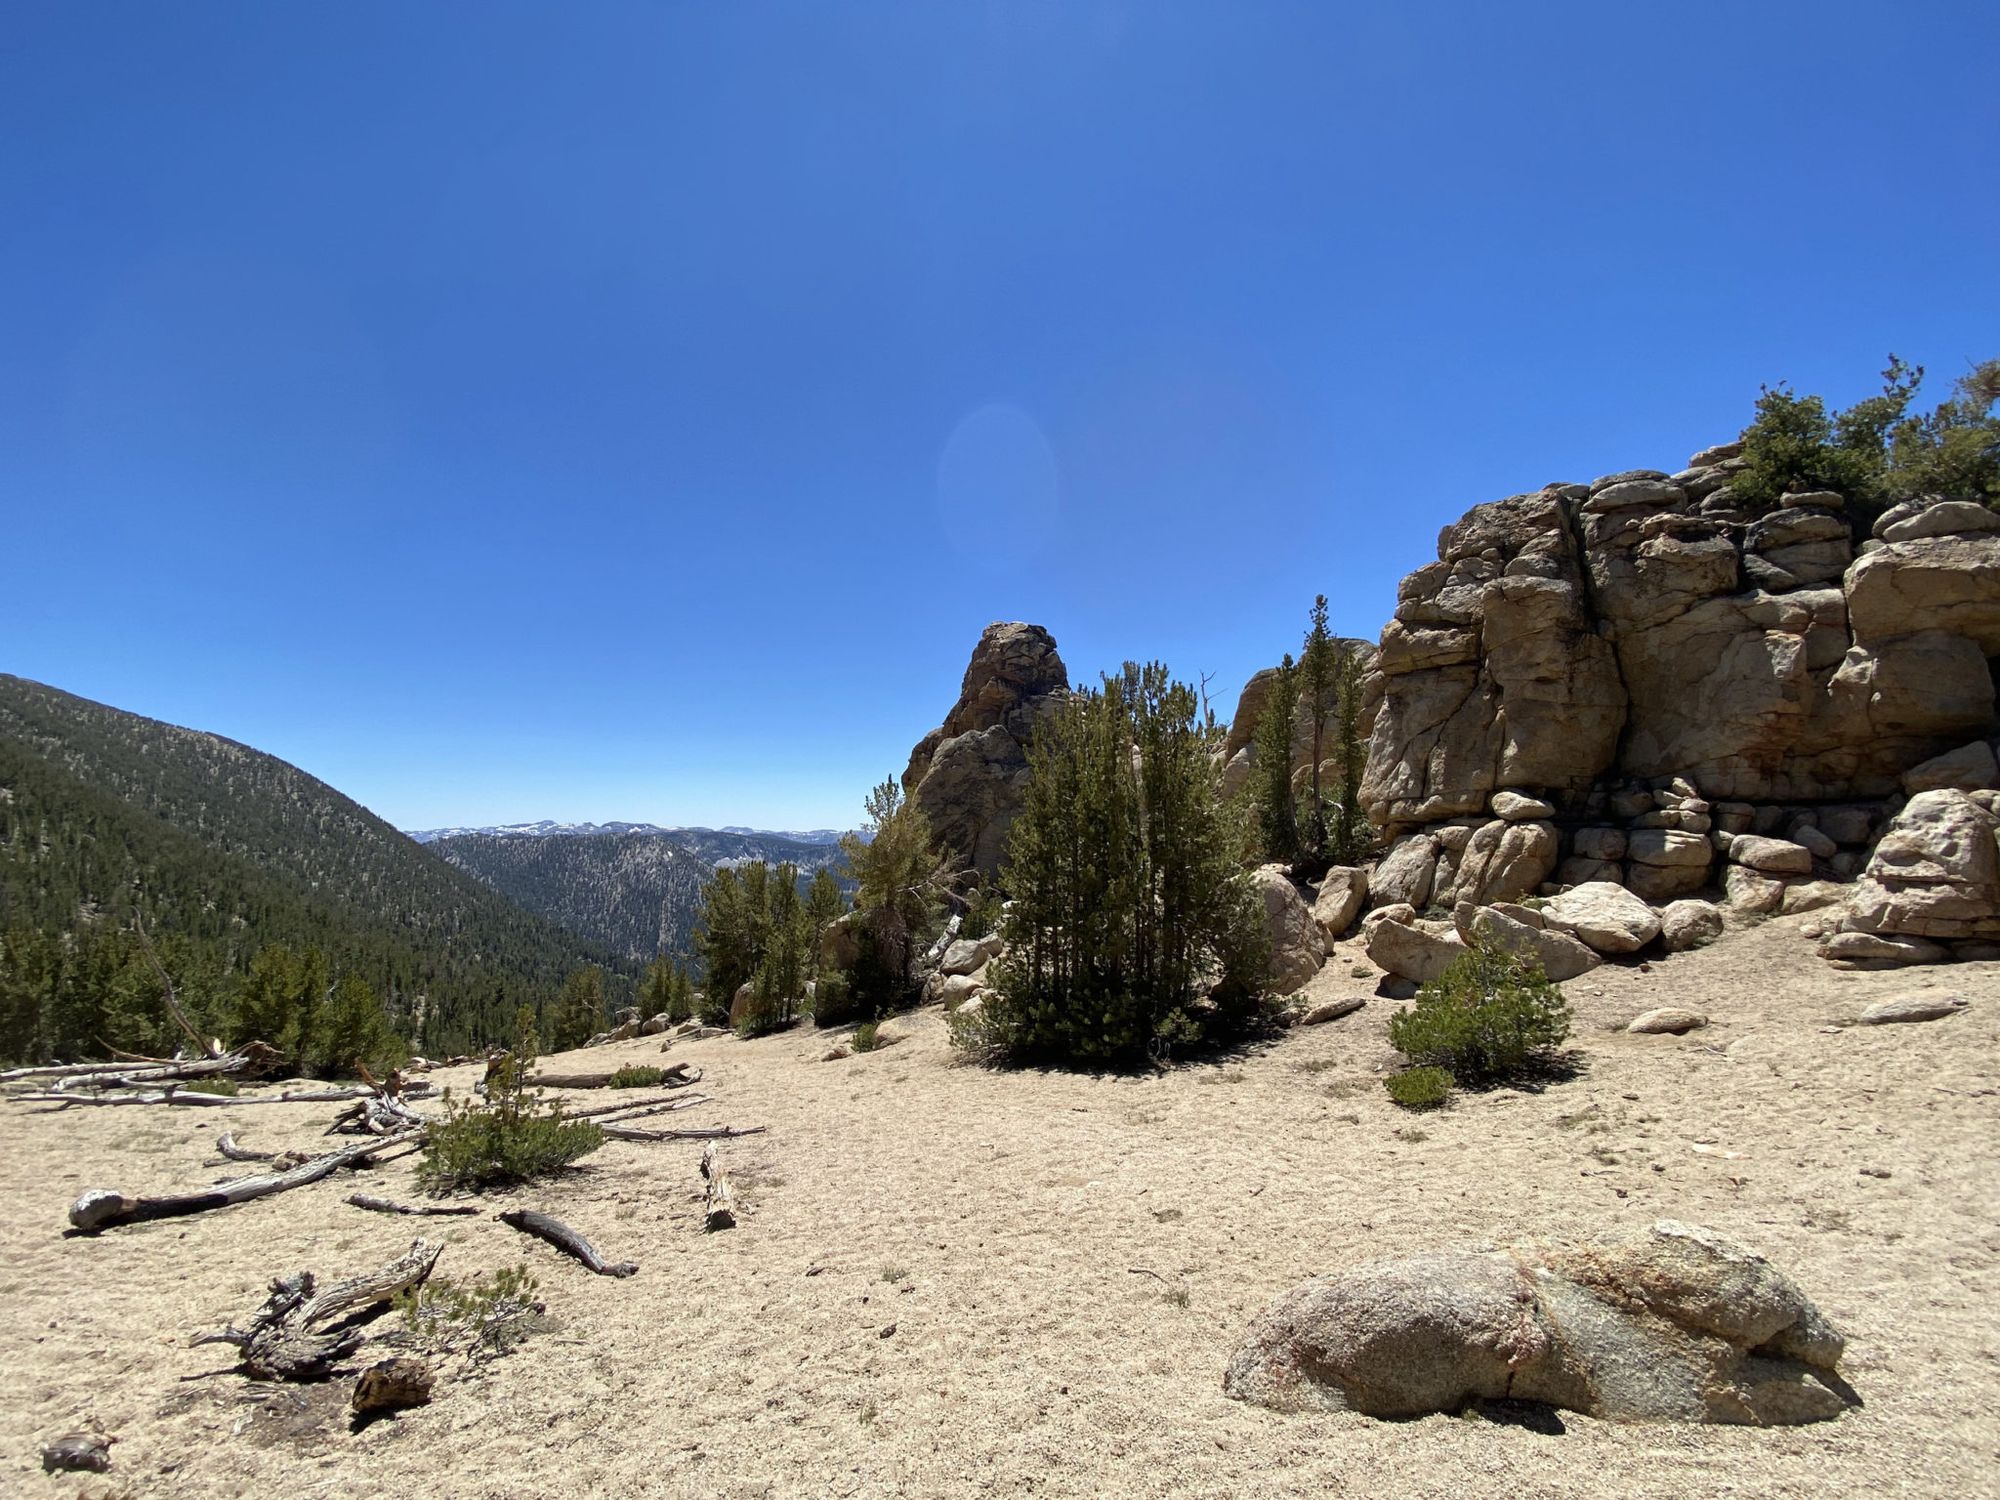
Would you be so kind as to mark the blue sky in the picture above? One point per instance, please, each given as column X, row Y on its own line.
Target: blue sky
column 636, row 411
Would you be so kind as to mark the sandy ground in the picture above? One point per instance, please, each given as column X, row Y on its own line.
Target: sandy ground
column 933, row 1291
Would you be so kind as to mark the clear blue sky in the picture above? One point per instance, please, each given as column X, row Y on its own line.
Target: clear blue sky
column 636, row 411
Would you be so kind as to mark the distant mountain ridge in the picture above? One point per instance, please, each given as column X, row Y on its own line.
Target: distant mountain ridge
column 634, row 888
column 549, row 828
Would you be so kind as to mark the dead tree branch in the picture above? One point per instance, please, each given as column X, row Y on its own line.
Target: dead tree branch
column 565, row 1239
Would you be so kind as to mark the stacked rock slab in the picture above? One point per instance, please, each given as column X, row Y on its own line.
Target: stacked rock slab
column 970, row 774
column 1666, row 670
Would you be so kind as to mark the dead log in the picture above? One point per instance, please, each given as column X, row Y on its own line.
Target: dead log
column 719, row 1203
column 565, row 1239
column 384, row 1206
column 635, row 1107
column 176, row 1095
column 227, row 1148
column 700, row 1133
column 106, row 1208
column 301, row 1332
column 78, row 1453
column 678, row 1076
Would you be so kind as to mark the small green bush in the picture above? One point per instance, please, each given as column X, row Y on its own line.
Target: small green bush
column 834, row 1002
column 1420, row 1088
column 1488, row 1017
column 224, row 1086
column 487, row 1316
column 512, row 1137
column 865, row 1037
column 635, row 1078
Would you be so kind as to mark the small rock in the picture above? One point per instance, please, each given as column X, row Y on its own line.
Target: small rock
column 1770, row 856
column 1919, row 1007
column 1881, row 949
column 1689, row 924
column 1331, row 1010
column 1666, row 1020
column 392, row 1385
column 836, row 1052
column 85, row 1452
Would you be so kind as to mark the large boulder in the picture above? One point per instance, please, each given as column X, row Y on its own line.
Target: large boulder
column 1398, row 946
column 1689, row 924
column 1607, row 917
column 1559, row 955
column 970, row 774
column 1343, row 891
column 1406, row 872
column 1501, row 861
column 1668, row 1323
column 1935, row 872
column 1297, row 946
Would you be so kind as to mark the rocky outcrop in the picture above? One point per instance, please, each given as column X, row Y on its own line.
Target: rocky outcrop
column 1935, row 873
column 1664, row 668
column 1297, row 946
column 1669, row 1323
column 970, row 774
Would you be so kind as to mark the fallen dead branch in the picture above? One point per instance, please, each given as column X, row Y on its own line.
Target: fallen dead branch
column 699, row 1133
column 106, row 1208
column 227, row 1148
column 251, row 1060
column 635, row 1107
column 677, row 1076
column 718, row 1202
column 175, row 1095
column 385, row 1206
column 294, row 1335
column 565, row 1239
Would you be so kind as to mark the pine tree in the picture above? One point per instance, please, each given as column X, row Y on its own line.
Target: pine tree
column 1277, row 806
column 824, row 906
column 1128, row 908
column 900, row 897
column 580, row 1011
column 1319, row 677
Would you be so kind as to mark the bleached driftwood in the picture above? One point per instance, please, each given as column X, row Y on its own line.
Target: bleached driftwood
column 718, row 1209
column 565, row 1239
column 106, row 1208
column 301, row 1331
column 699, row 1133
column 251, row 1060
column 636, row 1107
column 177, row 1095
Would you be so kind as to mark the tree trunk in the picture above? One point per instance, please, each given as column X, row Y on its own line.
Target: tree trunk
column 284, row 1340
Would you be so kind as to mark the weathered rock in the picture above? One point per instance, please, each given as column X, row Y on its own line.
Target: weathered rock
column 1667, row 1020
column 1947, row 518
column 969, row 954
column 1969, row 768
column 1918, row 1007
column 1559, row 955
column 1498, row 861
column 1406, row 872
column 1599, row 843
column 840, row 944
column 1343, row 891
column 1689, row 924
column 1297, row 946
column 1935, row 872
column 1811, row 895
column 1674, row 1323
column 1406, row 950
column 956, row 990
column 970, row 774
column 1517, row 807
column 1746, row 890
column 1607, row 917
column 656, row 1024
column 1771, row 856
column 1877, row 950
column 1322, row 1011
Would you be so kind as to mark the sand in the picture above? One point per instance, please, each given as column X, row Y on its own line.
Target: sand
column 933, row 1291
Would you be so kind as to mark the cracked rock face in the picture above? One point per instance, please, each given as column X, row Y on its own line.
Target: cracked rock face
column 1646, row 626
column 1671, row 1323
column 970, row 774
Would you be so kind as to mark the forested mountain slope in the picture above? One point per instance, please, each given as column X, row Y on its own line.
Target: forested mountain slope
column 636, row 893
column 224, row 851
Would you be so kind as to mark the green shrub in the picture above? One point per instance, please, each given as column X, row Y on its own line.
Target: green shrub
column 865, row 1037
column 833, row 999
column 636, row 1078
column 1420, row 1088
column 512, row 1137
column 1488, row 1017
column 486, row 1317
column 224, row 1086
